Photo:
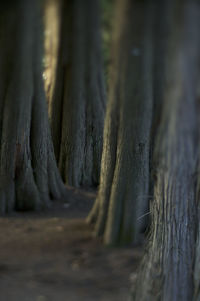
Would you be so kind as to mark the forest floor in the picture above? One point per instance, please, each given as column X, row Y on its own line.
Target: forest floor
column 52, row 256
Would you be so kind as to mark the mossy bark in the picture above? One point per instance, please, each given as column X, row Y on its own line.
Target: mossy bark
column 167, row 269
column 124, row 183
column 78, row 105
column 28, row 172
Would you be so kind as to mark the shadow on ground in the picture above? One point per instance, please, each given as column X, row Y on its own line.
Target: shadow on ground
column 52, row 256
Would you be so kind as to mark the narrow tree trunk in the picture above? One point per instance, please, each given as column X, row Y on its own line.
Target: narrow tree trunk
column 78, row 105
column 167, row 269
column 123, row 195
column 28, row 172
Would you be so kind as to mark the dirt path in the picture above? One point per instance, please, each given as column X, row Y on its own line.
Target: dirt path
column 53, row 256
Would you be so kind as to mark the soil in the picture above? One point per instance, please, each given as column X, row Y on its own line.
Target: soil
column 53, row 256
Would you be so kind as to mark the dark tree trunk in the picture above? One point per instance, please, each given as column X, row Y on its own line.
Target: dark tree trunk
column 167, row 269
column 124, row 184
column 78, row 104
column 28, row 172
column 162, row 31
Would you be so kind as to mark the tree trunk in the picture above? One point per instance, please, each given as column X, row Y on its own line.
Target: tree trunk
column 124, row 184
column 78, row 105
column 161, row 35
column 28, row 172
column 167, row 269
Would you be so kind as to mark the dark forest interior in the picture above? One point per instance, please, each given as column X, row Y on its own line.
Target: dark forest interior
column 99, row 150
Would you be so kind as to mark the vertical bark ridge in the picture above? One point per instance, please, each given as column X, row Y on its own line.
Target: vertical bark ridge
column 81, row 103
column 167, row 269
column 98, row 214
column 123, row 193
column 25, row 135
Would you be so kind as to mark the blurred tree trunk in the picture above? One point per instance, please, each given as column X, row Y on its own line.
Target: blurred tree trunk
column 28, row 172
column 161, row 35
column 124, row 184
column 167, row 269
column 78, row 105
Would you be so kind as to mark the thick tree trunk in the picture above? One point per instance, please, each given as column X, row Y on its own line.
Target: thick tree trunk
column 124, row 185
column 167, row 269
column 28, row 172
column 78, row 104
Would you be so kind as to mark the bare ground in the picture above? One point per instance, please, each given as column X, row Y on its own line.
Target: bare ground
column 52, row 256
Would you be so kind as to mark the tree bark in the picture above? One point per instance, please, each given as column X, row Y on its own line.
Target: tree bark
column 124, row 183
column 28, row 172
column 167, row 269
column 78, row 104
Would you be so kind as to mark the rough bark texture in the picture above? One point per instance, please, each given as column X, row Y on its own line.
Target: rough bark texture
column 197, row 260
column 161, row 34
column 197, row 251
column 167, row 269
column 123, row 194
column 78, row 104
column 28, row 172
